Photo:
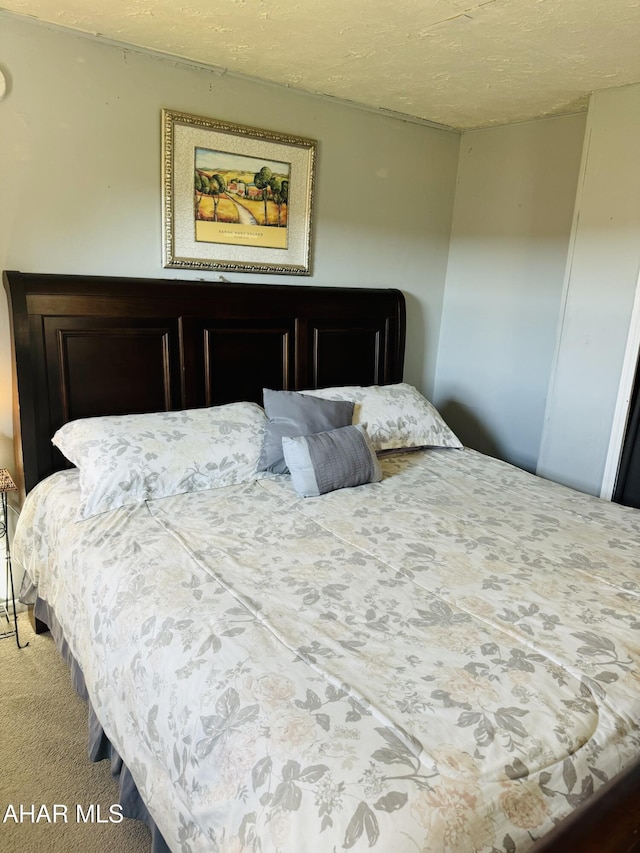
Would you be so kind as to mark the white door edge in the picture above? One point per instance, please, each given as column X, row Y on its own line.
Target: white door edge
column 625, row 390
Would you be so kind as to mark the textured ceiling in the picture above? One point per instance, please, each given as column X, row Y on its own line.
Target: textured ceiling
column 460, row 63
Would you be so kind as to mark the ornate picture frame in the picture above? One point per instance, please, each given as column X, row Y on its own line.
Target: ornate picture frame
column 235, row 198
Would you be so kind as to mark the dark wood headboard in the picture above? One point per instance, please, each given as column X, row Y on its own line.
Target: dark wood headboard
column 87, row 346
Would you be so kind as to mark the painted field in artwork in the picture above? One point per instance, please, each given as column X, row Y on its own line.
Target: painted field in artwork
column 240, row 200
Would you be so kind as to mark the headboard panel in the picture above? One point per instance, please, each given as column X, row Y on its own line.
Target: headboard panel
column 87, row 346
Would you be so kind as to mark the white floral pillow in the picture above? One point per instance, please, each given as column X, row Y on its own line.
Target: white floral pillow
column 125, row 459
column 395, row 416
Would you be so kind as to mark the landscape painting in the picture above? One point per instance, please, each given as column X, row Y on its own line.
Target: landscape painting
column 235, row 198
column 240, row 200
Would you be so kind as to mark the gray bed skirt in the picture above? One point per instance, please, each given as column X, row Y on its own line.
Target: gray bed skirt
column 100, row 747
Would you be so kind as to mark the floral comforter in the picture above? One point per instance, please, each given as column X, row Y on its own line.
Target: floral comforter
column 448, row 660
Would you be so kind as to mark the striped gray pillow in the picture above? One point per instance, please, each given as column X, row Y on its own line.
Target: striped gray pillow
column 336, row 459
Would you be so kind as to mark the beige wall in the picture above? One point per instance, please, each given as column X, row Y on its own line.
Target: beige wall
column 511, row 229
column 601, row 278
column 81, row 188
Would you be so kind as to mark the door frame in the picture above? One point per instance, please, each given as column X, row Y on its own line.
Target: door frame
column 625, row 392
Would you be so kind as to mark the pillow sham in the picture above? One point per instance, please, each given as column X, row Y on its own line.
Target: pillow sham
column 125, row 459
column 395, row 416
column 338, row 459
column 293, row 414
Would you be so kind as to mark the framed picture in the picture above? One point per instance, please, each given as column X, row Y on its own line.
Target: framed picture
column 235, row 198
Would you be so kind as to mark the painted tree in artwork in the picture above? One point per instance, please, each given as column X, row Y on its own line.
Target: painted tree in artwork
column 217, row 186
column 261, row 179
column 279, row 193
column 284, row 195
column 200, row 188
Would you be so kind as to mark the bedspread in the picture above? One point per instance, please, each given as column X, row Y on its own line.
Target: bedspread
column 447, row 660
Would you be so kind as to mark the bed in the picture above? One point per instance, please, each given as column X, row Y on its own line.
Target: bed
column 443, row 659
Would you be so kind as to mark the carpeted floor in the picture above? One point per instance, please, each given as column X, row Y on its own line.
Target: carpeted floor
column 43, row 760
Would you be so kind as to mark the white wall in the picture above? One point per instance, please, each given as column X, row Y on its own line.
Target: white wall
column 602, row 272
column 80, row 154
column 511, row 229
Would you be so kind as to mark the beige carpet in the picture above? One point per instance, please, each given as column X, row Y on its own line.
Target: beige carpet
column 43, row 759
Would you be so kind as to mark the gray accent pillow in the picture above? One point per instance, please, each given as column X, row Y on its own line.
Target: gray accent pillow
column 338, row 459
column 294, row 414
